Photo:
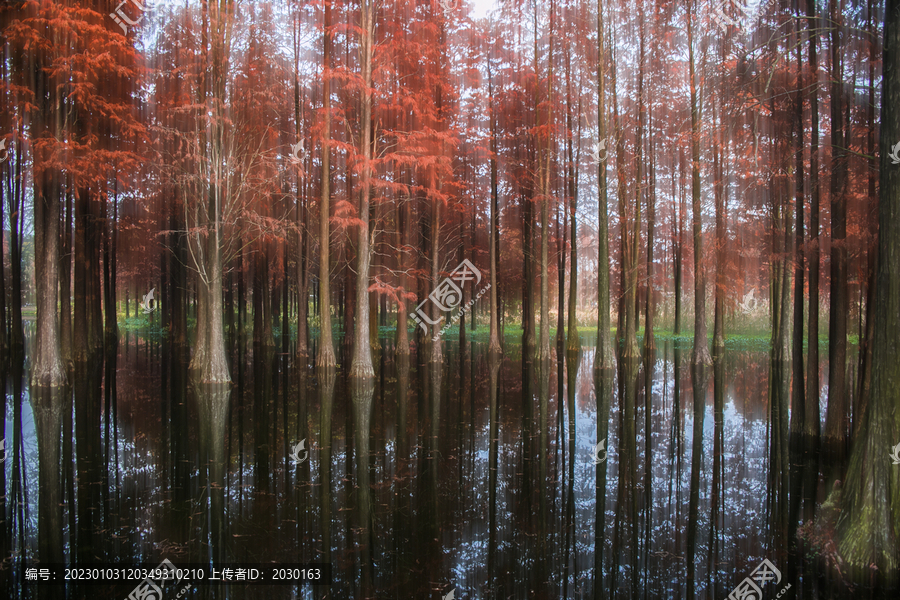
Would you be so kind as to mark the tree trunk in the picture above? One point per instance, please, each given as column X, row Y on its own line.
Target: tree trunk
column 543, row 156
column 528, row 322
column 678, row 242
column 82, row 339
column 701, row 341
column 401, row 343
column 302, row 218
column 361, row 364
column 65, row 285
column 436, row 355
column 325, row 357
column 110, row 327
column 573, row 342
column 811, row 427
column 838, row 405
column 604, row 358
column 17, row 337
column 47, row 367
column 871, row 497
column 494, row 347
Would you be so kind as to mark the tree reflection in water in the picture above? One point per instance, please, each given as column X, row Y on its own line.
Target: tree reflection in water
column 477, row 474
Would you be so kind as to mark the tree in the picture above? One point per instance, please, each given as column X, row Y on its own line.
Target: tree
column 604, row 358
column 212, row 201
column 701, row 340
column 361, row 364
column 325, row 358
column 869, row 520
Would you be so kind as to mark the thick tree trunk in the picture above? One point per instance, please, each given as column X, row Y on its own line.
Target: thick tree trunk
column 302, row 219
column 701, row 340
column 47, row 366
column 361, row 364
column 109, row 227
column 719, row 193
column 325, row 357
column 573, row 342
column 82, row 339
column 838, row 404
column 811, row 426
column 604, row 358
column 529, row 338
column 871, row 498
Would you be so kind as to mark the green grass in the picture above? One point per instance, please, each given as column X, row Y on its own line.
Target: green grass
column 144, row 326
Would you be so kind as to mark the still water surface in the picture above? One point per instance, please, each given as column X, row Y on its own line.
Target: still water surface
column 478, row 477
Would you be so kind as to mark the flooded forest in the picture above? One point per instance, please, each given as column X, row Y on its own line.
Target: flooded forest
column 450, row 299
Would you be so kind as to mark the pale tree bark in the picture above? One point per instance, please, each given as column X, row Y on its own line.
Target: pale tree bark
column 325, row 357
column 209, row 361
column 573, row 342
column 361, row 364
